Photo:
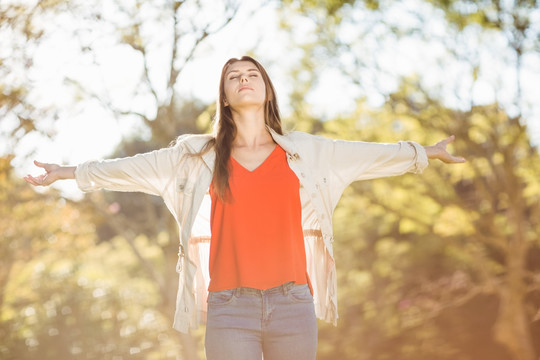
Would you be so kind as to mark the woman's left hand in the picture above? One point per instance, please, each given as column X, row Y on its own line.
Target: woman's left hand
column 438, row 151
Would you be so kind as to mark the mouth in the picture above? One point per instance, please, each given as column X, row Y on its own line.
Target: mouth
column 245, row 88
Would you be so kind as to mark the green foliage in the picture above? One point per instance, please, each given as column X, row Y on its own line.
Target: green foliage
column 330, row 7
column 491, row 14
column 66, row 297
column 414, row 249
column 424, row 262
column 145, row 248
column 157, row 39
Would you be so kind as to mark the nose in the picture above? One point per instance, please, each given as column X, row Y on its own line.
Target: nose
column 243, row 78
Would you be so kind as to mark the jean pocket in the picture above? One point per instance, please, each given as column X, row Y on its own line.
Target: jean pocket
column 223, row 297
column 300, row 293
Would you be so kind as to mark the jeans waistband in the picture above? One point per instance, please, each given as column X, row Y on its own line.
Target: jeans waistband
column 283, row 288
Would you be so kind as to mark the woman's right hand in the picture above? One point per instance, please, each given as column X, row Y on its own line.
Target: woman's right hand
column 53, row 172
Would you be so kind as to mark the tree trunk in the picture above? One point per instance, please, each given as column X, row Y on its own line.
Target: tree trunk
column 189, row 347
column 512, row 327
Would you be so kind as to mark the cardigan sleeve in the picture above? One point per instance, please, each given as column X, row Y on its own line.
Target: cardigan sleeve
column 357, row 160
column 150, row 172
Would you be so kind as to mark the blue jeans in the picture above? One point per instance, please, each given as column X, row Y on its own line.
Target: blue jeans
column 245, row 323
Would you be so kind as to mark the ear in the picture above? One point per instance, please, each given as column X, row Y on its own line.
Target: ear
column 225, row 102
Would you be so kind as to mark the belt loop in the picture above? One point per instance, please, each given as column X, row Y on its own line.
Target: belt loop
column 286, row 287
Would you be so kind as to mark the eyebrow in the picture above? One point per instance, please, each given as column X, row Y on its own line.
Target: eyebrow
column 249, row 70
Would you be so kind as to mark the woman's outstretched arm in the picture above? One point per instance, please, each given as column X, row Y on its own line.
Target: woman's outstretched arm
column 150, row 172
column 53, row 172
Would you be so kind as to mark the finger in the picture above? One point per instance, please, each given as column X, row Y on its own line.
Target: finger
column 457, row 159
column 448, row 140
column 40, row 164
column 31, row 180
column 37, row 180
column 40, row 180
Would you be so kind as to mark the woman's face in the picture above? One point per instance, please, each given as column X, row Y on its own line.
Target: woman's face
column 244, row 86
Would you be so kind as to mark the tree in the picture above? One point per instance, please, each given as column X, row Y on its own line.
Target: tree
column 157, row 40
column 427, row 263
column 484, row 214
column 64, row 294
column 513, row 221
column 22, row 33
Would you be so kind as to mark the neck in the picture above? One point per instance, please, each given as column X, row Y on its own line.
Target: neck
column 250, row 129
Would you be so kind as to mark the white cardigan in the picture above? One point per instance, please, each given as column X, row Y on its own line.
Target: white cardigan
column 324, row 167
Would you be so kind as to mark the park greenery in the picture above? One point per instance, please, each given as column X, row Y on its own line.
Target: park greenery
column 439, row 266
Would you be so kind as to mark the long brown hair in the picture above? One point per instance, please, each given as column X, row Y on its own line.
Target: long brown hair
column 225, row 128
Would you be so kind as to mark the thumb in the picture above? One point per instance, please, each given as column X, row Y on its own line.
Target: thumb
column 42, row 165
column 448, row 140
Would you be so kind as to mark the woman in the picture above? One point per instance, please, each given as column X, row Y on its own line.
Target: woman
column 271, row 268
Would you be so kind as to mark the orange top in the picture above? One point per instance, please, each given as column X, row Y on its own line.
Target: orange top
column 257, row 239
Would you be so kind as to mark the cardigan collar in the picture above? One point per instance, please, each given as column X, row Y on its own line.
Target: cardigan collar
column 196, row 142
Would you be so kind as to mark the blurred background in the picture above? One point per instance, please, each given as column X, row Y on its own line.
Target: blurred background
column 444, row 265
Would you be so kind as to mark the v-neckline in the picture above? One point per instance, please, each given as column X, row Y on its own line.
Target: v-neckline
column 259, row 166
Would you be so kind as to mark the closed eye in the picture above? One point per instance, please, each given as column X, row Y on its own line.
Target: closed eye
column 252, row 74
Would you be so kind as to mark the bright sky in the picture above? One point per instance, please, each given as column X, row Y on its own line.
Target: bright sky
column 90, row 132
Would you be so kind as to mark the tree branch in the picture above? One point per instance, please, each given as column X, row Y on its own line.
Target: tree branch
column 123, row 226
